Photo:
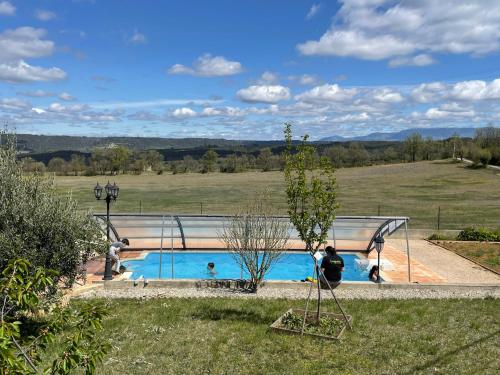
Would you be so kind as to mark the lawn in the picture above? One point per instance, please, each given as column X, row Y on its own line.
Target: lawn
column 466, row 197
column 231, row 336
column 485, row 253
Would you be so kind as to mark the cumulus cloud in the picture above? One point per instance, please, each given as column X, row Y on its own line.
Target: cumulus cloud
column 137, row 38
column 386, row 95
column 476, row 90
column 45, row 15
column 313, row 11
column 327, row 93
column 409, row 31
column 7, row 9
column 19, row 72
column 183, row 112
column 428, row 92
column 209, row 66
column 264, row 94
column 22, row 43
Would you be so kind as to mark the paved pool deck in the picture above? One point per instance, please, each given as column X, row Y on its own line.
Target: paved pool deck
column 429, row 264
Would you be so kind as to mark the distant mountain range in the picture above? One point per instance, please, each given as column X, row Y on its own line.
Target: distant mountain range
column 434, row 133
column 36, row 144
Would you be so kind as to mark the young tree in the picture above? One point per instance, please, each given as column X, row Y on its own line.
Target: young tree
column 77, row 164
column 413, row 145
column 311, row 192
column 264, row 160
column 208, row 161
column 256, row 238
column 57, row 165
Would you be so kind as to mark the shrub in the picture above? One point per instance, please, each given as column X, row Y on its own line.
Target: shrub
column 36, row 224
column 478, row 234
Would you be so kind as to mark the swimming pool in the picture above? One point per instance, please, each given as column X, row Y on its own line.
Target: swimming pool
column 193, row 265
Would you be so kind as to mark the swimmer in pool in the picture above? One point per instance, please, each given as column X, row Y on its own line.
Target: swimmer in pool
column 211, row 269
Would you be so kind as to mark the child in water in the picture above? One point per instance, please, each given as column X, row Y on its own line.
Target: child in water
column 211, row 269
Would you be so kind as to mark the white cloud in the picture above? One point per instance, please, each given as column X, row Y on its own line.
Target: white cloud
column 268, row 78
column 313, row 11
column 428, row 92
column 7, row 9
column 418, row 60
column 387, row 96
column 21, row 71
column 66, row 97
column 264, row 94
column 45, row 15
column 137, row 38
column 151, row 103
column 13, row 104
column 327, row 93
column 476, row 90
column 438, row 114
column 183, row 112
column 306, row 79
column 356, row 117
column 209, row 66
column 409, row 31
column 24, row 42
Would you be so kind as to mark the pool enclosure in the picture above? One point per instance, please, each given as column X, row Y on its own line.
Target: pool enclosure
column 201, row 232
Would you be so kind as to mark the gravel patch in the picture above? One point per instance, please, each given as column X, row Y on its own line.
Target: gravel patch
column 267, row 293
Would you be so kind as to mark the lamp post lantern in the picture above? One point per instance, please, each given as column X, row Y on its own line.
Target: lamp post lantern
column 111, row 195
column 379, row 246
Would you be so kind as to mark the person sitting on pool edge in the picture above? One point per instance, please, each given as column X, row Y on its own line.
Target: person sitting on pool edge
column 373, row 275
column 332, row 267
column 211, row 269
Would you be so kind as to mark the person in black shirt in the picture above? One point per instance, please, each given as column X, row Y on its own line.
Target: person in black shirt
column 332, row 267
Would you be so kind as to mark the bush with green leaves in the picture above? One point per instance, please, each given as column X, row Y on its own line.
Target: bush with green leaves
column 41, row 226
column 28, row 325
column 478, row 234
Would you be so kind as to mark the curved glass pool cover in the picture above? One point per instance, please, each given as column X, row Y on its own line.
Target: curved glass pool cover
column 200, row 232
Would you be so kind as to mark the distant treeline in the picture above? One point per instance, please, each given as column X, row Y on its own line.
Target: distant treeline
column 483, row 149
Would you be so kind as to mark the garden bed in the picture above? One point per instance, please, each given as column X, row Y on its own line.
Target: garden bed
column 331, row 325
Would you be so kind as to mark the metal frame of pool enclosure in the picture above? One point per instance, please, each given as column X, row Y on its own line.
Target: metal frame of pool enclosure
column 169, row 232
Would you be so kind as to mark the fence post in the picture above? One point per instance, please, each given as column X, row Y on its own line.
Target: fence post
column 439, row 217
column 378, row 211
column 201, row 208
column 140, row 207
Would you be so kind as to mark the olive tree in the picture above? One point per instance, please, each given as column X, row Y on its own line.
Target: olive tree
column 256, row 238
column 39, row 225
column 311, row 192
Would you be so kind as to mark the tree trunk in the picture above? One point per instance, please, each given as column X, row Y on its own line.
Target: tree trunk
column 319, row 289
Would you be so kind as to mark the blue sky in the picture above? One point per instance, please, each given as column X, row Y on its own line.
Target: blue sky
column 240, row 69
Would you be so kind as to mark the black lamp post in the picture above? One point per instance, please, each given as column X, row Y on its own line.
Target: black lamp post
column 379, row 246
column 111, row 195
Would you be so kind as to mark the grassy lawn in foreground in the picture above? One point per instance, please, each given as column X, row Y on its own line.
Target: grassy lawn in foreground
column 231, row 336
column 482, row 252
column 467, row 197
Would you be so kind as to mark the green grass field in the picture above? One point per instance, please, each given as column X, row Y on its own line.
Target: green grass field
column 466, row 196
column 231, row 336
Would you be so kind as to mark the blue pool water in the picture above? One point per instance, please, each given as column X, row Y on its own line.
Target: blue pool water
column 193, row 265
